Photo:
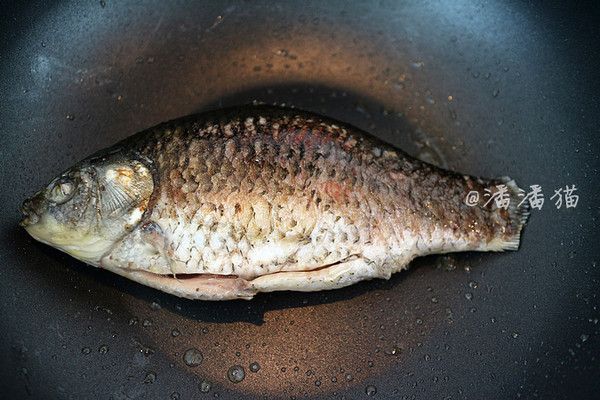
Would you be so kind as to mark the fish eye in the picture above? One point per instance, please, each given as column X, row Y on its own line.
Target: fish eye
column 62, row 191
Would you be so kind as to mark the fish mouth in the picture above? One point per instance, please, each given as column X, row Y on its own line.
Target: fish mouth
column 30, row 216
column 26, row 221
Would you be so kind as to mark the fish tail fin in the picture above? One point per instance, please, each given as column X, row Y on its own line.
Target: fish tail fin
column 518, row 213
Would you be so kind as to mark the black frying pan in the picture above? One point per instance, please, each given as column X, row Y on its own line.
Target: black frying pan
column 486, row 88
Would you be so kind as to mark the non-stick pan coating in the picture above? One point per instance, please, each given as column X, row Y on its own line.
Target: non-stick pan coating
column 486, row 88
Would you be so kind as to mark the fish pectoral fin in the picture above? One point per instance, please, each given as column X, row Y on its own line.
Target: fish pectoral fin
column 152, row 234
column 334, row 276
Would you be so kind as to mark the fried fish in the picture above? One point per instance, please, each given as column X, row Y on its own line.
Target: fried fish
column 229, row 203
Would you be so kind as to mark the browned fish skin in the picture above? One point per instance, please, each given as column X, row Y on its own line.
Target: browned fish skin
column 257, row 174
column 230, row 203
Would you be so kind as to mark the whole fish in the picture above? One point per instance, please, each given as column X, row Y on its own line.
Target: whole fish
column 229, row 203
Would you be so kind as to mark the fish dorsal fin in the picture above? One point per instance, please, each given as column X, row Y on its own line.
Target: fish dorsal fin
column 123, row 187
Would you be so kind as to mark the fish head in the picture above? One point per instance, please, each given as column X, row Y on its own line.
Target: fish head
column 90, row 207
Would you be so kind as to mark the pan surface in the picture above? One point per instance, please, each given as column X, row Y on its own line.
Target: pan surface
column 485, row 88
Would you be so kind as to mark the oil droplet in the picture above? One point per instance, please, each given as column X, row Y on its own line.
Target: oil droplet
column 218, row 20
column 205, row 386
column 150, row 377
column 469, row 296
column 86, row 350
column 584, row 337
column 192, row 357
column 175, row 332
column 392, row 352
column 371, row 390
column 254, row 367
column 515, row 335
column 103, row 349
column 236, row 374
column 70, row 117
column 473, row 285
column 349, row 377
column 147, row 322
column 133, row 321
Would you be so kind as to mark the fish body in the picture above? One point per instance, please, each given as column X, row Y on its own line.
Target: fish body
column 229, row 203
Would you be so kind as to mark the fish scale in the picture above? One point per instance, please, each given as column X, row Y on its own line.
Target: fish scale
column 261, row 152
column 264, row 216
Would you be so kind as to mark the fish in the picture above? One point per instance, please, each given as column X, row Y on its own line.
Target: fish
column 229, row 203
